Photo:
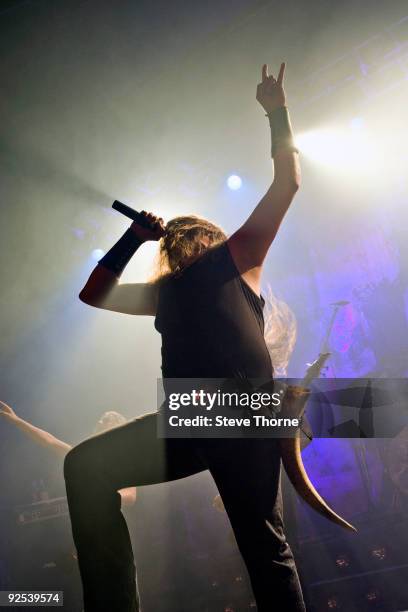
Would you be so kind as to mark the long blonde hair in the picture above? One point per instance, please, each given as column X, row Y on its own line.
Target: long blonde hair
column 109, row 420
column 183, row 242
column 280, row 332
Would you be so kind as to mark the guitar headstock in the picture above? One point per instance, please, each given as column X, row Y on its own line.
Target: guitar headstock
column 314, row 369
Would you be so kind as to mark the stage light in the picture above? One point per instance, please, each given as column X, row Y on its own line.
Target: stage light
column 234, row 182
column 379, row 553
column 342, row 561
column 373, row 596
column 357, row 123
column 78, row 232
column 348, row 150
column 332, row 603
column 97, row 254
column 322, row 146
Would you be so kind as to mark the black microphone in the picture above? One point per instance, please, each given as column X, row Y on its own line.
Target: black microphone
column 131, row 213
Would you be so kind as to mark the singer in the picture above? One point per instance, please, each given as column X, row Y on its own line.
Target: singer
column 208, row 309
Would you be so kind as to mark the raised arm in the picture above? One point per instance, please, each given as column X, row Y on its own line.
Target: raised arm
column 58, row 447
column 40, row 436
column 250, row 243
column 103, row 289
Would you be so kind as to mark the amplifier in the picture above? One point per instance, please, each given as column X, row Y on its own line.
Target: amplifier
column 41, row 511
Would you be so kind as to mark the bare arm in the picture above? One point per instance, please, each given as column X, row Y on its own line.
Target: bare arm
column 103, row 289
column 40, row 436
column 60, row 448
column 250, row 243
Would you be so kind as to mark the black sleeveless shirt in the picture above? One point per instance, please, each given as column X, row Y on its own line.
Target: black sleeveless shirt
column 211, row 322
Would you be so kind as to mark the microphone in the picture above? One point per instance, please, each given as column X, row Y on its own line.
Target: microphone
column 340, row 303
column 131, row 213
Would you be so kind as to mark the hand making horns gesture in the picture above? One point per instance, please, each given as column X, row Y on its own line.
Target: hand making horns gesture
column 270, row 93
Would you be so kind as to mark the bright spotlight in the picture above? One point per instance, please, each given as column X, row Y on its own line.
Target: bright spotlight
column 234, row 182
column 323, row 146
column 345, row 150
column 97, row 254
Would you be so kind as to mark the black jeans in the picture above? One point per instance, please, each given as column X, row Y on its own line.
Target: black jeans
column 247, row 474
